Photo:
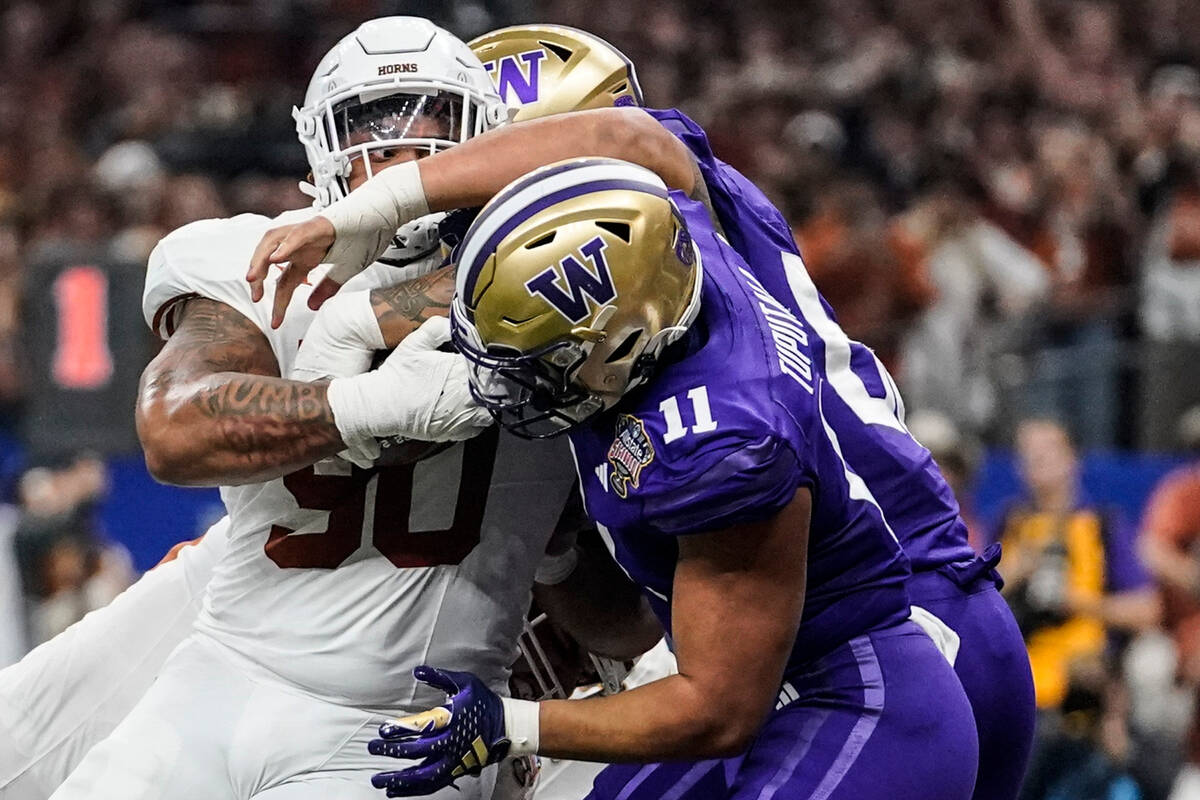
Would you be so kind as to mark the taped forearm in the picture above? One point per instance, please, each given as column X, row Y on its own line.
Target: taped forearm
column 471, row 173
column 367, row 218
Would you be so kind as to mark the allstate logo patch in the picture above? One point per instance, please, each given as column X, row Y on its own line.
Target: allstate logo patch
column 629, row 454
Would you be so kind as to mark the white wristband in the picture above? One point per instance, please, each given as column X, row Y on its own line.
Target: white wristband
column 522, row 723
column 418, row 392
column 553, row 570
column 365, row 220
column 349, row 401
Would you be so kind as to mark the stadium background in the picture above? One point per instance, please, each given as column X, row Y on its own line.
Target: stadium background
column 1002, row 197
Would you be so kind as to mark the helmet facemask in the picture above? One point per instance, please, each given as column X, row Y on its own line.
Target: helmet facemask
column 545, row 392
column 534, row 395
column 346, row 128
column 394, row 83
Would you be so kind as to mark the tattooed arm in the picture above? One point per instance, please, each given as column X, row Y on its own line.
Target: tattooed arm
column 212, row 409
column 401, row 309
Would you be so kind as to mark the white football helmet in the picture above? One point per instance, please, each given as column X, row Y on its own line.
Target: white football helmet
column 393, row 82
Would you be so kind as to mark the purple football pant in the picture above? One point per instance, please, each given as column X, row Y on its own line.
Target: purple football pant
column 993, row 666
column 883, row 717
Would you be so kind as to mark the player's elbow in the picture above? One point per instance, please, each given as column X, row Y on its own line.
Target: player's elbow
column 733, row 742
column 724, row 723
column 635, row 136
column 167, row 446
column 726, row 734
column 167, row 459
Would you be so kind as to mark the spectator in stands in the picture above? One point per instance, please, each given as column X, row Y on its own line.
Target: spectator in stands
column 69, row 568
column 986, row 285
column 1169, row 173
column 1070, row 574
column 1085, row 239
column 871, row 270
column 1171, row 306
column 1169, row 544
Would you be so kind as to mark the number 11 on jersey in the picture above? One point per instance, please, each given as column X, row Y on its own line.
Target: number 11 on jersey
column 701, row 412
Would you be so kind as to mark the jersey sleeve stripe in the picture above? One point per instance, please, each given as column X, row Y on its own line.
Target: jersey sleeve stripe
column 164, row 321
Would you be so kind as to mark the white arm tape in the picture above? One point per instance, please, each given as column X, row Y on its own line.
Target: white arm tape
column 522, row 726
column 350, row 402
column 365, row 220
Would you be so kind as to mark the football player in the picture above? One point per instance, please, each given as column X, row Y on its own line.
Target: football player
column 70, row 693
column 592, row 300
column 333, row 575
column 544, row 70
column 949, row 581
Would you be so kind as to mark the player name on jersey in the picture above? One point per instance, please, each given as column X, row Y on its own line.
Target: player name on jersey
column 791, row 342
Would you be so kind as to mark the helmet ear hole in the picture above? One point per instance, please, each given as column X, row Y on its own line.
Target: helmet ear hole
column 625, row 347
column 564, row 54
column 545, row 240
column 618, row 229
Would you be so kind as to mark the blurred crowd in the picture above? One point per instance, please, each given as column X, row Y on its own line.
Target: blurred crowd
column 1108, row 604
column 1002, row 197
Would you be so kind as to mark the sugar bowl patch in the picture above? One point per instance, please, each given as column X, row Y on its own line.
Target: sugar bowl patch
column 629, row 454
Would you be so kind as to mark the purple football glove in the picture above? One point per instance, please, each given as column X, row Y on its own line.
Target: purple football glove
column 459, row 738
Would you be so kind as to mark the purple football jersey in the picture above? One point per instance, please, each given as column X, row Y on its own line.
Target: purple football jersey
column 725, row 433
column 866, row 412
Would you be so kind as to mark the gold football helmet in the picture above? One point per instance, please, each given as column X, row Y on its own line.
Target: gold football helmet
column 571, row 282
column 540, row 70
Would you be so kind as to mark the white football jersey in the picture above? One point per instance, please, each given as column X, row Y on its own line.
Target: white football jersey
column 340, row 580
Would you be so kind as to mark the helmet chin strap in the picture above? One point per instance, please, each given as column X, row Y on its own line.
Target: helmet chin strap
column 308, row 189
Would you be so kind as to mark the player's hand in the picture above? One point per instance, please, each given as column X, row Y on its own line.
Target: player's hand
column 297, row 249
column 341, row 342
column 458, row 738
column 418, row 392
column 300, row 248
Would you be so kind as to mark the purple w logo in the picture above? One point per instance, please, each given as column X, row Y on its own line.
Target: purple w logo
column 509, row 74
column 581, row 283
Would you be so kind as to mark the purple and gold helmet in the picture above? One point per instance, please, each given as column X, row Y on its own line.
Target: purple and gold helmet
column 571, row 282
column 540, row 70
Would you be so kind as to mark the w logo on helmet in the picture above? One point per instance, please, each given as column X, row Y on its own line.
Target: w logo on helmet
column 509, row 74
column 580, row 283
